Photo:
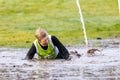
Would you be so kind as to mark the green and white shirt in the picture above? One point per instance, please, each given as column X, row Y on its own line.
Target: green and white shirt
column 50, row 53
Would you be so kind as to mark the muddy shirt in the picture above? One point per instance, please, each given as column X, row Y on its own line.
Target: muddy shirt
column 63, row 52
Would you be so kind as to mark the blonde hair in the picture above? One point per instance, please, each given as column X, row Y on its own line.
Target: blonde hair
column 40, row 33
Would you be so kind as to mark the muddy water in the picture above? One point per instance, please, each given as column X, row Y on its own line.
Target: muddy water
column 102, row 66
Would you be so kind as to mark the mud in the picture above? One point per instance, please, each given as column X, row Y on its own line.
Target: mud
column 103, row 66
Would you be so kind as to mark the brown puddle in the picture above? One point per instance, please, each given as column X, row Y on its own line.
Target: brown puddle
column 97, row 67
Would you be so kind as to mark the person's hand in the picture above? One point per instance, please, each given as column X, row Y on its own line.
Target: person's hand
column 69, row 58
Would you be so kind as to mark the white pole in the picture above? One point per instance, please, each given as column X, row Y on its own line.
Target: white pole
column 119, row 6
column 82, row 21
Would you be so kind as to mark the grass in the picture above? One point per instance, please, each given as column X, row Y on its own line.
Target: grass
column 20, row 18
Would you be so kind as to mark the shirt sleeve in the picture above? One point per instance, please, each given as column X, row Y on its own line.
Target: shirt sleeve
column 60, row 47
column 31, row 52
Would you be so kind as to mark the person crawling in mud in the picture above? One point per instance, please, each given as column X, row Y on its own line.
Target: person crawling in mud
column 47, row 47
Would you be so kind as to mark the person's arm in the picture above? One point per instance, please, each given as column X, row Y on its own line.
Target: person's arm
column 31, row 52
column 60, row 47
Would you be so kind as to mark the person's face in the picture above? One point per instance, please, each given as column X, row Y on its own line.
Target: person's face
column 44, row 41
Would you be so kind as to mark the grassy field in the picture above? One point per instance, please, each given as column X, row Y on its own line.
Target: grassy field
column 20, row 18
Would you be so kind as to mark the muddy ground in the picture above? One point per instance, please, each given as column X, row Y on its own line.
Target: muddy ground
column 101, row 66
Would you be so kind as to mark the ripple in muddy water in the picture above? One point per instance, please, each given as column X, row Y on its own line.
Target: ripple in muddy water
column 97, row 67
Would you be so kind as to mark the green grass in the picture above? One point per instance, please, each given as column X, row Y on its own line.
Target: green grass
column 20, row 18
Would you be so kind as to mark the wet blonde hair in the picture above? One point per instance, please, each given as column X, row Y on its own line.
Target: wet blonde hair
column 40, row 33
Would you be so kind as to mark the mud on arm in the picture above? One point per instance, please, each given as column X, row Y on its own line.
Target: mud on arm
column 60, row 47
column 31, row 52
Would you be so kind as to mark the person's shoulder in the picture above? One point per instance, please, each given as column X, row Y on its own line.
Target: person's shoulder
column 53, row 37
